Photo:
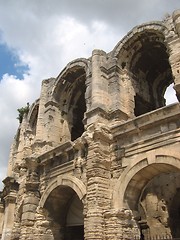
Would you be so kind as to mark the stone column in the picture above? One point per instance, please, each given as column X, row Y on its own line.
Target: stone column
column 98, row 175
column 11, row 159
column 1, row 218
column 10, row 200
column 119, row 224
column 9, row 196
column 100, row 96
column 174, row 60
column 99, row 90
column 41, row 134
column 174, row 45
column 43, row 226
column 53, row 123
column 121, row 92
column 31, row 200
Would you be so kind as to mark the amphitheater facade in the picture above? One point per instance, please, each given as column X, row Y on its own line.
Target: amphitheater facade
column 97, row 156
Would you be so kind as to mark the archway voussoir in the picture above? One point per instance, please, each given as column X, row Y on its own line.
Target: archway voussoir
column 160, row 164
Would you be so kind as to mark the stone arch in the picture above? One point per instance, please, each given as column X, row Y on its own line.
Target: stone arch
column 143, row 57
column 135, row 33
column 62, row 206
column 33, row 116
column 72, row 94
column 136, row 176
column 60, row 80
column 70, row 181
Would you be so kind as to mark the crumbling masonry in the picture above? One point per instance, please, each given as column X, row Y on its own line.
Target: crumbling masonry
column 97, row 157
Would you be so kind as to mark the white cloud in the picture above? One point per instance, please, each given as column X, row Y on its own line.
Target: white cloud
column 170, row 95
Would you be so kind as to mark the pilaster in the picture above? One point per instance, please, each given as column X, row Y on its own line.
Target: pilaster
column 121, row 91
column 98, row 175
column 119, row 224
column 31, row 200
column 43, row 225
column 9, row 198
column 41, row 133
column 1, row 216
column 174, row 58
column 100, row 96
column 53, row 123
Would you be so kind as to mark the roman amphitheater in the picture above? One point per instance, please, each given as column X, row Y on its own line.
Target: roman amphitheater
column 97, row 156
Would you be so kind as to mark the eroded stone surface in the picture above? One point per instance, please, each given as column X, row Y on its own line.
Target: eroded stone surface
column 97, row 156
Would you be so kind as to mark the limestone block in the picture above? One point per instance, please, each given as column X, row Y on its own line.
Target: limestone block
column 29, row 208
column 31, row 200
column 28, row 216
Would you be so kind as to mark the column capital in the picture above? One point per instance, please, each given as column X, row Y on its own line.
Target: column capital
column 1, row 207
column 11, row 187
column 10, row 197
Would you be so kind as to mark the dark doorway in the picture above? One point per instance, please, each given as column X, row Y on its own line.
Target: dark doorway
column 151, row 73
column 78, row 115
column 174, row 215
column 74, row 233
column 66, row 213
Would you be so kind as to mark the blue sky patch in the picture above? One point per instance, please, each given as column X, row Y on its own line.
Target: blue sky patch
column 9, row 63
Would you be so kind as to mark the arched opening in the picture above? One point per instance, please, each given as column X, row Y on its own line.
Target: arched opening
column 74, row 220
column 143, row 56
column 70, row 93
column 159, row 206
column 33, row 119
column 66, row 213
column 150, row 193
column 33, row 116
column 174, row 214
column 77, row 107
column 141, row 178
column 151, row 72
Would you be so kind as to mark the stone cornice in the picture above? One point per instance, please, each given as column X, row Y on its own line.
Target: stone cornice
column 55, row 151
column 136, row 135
column 11, row 183
column 145, row 121
column 10, row 189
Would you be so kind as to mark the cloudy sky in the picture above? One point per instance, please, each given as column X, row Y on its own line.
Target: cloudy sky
column 39, row 37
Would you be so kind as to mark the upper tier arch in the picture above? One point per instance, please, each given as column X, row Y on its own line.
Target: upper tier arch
column 33, row 115
column 135, row 33
column 73, row 66
column 71, row 93
column 143, row 55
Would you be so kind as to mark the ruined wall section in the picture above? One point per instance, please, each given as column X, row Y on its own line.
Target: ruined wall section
column 159, row 203
column 84, row 131
column 1, row 217
column 44, row 120
column 174, row 49
column 98, row 175
column 146, row 147
column 47, row 137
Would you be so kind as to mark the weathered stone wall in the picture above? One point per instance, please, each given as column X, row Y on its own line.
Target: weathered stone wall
column 1, row 217
column 100, row 133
